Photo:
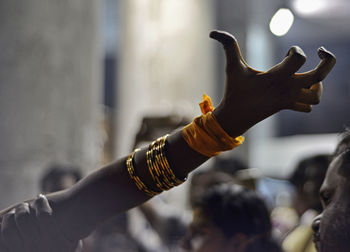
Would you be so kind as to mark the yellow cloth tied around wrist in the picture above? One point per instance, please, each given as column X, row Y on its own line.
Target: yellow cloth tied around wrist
column 206, row 136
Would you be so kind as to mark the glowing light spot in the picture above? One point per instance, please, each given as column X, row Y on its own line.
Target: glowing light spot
column 309, row 7
column 281, row 22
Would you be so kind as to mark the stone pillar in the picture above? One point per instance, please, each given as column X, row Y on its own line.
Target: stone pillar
column 166, row 62
column 50, row 80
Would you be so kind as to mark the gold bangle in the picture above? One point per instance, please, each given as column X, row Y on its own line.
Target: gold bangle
column 161, row 165
column 158, row 165
column 157, row 173
column 152, row 169
column 173, row 177
column 135, row 178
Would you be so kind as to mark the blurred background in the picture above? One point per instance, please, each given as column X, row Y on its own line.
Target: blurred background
column 78, row 78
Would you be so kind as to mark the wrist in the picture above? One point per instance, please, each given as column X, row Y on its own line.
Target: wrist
column 231, row 122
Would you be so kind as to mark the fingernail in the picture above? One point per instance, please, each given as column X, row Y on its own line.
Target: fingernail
column 223, row 37
column 212, row 34
column 296, row 50
column 323, row 53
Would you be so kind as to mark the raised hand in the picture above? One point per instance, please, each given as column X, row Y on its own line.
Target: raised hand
column 251, row 95
column 55, row 222
column 29, row 227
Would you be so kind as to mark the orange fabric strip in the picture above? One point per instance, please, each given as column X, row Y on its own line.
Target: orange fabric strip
column 205, row 134
column 206, row 105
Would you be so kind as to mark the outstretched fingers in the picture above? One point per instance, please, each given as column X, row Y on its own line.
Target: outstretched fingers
column 305, row 98
column 305, row 80
column 293, row 61
column 311, row 95
column 233, row 52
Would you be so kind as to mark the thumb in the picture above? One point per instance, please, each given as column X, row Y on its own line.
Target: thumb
column 42, row 207
column 232, row 50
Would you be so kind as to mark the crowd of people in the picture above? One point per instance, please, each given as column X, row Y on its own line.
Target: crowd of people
column 89, row 214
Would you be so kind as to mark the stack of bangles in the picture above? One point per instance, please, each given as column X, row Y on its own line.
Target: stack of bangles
column 204, row 135
column 158, row 166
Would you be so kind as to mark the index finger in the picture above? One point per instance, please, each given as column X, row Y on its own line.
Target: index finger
column 305, row 80
column 291, row 63
column 231, row 47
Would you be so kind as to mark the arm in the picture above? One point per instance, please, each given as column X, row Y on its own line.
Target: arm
column 250, row 97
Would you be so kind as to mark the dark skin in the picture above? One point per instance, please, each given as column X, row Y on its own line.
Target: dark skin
column 332, row 226
column 250, row 96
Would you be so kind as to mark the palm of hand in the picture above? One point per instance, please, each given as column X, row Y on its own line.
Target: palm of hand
column 252, row 95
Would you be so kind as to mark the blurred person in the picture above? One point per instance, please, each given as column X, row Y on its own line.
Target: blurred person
column 157, row 225
column 57, row 221
column 245, row 176
column 307, row 179
column 229, row 165
column 283, row 215
column 230, row 218
column 203, row 180
column 59, row 177
column 153, row 127
column 171, row 224
column 112, row 236
column 249, row 178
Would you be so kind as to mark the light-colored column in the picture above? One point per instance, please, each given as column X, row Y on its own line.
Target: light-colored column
column 50, row 81
column 166, row 62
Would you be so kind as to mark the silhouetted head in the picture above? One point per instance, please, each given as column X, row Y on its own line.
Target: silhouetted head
column 230, row 218
column 204, row 180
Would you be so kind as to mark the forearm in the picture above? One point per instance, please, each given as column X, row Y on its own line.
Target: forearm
column 110, row 190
